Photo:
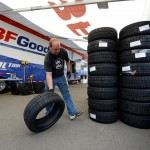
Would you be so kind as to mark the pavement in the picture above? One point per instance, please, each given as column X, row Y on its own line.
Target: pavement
column 79, row 134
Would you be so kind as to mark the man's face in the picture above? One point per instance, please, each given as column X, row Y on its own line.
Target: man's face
column 55, row 49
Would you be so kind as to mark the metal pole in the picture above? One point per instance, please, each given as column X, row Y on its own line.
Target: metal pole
column 24, row 73
column 77, row 2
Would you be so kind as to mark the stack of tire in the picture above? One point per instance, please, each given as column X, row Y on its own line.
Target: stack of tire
column 17, row 88
column 134, row 61
column 102, row 75
column 26, row 88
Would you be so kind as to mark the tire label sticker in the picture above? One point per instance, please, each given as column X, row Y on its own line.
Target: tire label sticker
column 93, row 116
column 126, row 68
column 92, row 69
column 139, row 55
column 135, row 43
column 103, row 44
column 143, row 28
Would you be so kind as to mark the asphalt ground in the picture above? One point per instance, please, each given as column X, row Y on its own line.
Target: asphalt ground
column 79, row 134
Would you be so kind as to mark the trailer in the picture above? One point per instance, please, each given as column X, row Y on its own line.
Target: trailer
column 79, row 71
column 14, row 74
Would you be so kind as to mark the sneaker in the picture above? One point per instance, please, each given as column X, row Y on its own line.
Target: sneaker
column 72, row 117
column 77, row 114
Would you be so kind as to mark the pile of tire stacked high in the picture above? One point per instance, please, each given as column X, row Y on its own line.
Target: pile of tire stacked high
column 102, row 75
column 134, row 61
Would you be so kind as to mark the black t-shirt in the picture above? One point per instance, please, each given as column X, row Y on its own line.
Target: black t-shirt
column 55, row 63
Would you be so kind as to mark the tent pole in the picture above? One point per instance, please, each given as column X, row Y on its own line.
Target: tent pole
column 64, row 4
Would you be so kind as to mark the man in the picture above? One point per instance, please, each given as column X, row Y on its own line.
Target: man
column 54, row 67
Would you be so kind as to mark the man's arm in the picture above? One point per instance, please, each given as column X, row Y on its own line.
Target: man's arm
column 49, row 80
column 68, row 69
column 68, row 66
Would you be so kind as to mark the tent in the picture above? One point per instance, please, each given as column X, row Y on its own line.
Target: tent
column 72, row 20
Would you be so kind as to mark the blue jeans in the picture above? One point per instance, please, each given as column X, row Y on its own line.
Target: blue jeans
column 63, row 87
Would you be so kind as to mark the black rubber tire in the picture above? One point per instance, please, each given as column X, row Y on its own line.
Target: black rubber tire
column 103, row 117
column 139, row 82
column 6, row 83
column 102, row 57
column 102, row 69
column 103, row 81
column 103, row 105
column 38, row 87
column 14, row 88
column 142, row 122
column 36, row 105
column 129, row 57
column 95, row 46
column 124, row 45
column 102, row 93
column 140, row 69
column 134, row 29
column 135, row 108
column 102, row 33
column 135, row 95
column 25, row 88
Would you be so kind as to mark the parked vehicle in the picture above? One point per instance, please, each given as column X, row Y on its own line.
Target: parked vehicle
column 14, row 75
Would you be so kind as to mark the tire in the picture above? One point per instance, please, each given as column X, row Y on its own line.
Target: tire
column 102, row 69
column 102, row 45
column 139, row 82
column 142, row 122
column 134, row 29
column 138, row 69
column 38, row 87
column 103, row 81
column 25, row 88
column 135, row 108
column 142, row 42
column 3, row 86
column 102, row 57
column 130, row 57
column 102, row 93
column 14, row 88
column 135, row 95
column 103, row 117
column 102, row 33
column 103, row 105
column 36, row 105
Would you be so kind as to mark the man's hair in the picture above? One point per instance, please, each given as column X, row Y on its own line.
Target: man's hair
column 52, row 40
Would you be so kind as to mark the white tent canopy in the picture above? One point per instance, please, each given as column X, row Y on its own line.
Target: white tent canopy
column 73, row 23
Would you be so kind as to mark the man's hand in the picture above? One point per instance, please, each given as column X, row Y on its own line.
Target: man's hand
column 68, row 74
column 51, row 90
